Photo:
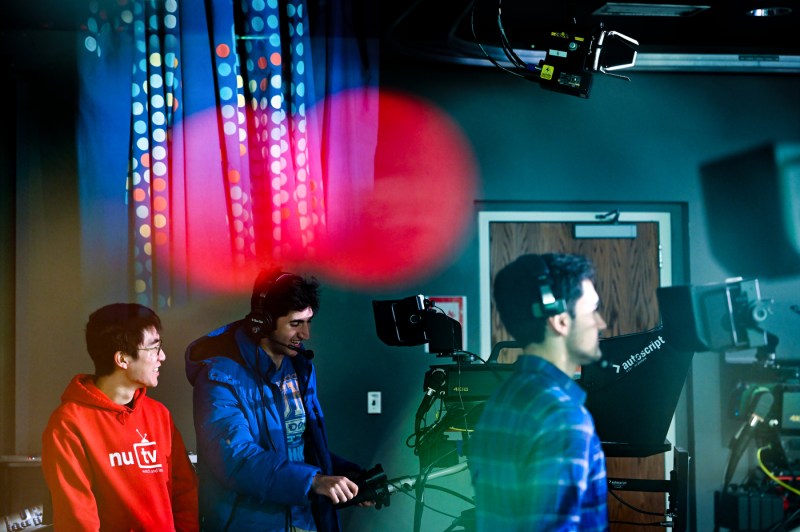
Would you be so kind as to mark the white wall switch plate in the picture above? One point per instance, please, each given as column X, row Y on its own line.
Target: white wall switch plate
column 373, row 402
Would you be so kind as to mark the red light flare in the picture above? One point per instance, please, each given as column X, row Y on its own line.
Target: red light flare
column 401, row 230
column 415, row 217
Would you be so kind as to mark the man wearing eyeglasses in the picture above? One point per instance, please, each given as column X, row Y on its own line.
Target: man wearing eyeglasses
column 112, row 457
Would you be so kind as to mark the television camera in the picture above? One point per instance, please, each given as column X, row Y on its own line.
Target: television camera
column 416, row 320
column 643, row 371
column 732, row 318
column 460, row 388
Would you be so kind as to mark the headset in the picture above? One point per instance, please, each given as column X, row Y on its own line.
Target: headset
column 547, row 305
column 258, row 321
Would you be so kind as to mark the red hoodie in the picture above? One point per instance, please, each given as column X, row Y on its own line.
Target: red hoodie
column 116, row 467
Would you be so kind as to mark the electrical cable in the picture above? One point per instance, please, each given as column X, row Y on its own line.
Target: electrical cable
column 760, row 406
column 419, row 419
column 461, row 397
column 423, row 476
column 783, row 524
column 393, row 27
column 422, row 433
column 450, row 492
column 508, row 49
column 404, row 491
column 771, row 475
column 419, row 489
column 632, row 507
column 485, row 53
column 452, row 37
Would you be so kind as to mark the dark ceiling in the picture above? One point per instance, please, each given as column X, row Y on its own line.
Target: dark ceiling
column 708, row 36
column 714, row 35
column 34, row 15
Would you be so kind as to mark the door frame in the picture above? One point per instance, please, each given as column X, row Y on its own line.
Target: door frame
column 664, row 220
column 673, row 260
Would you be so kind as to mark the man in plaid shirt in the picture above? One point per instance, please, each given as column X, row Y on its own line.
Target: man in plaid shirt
column 536, row 461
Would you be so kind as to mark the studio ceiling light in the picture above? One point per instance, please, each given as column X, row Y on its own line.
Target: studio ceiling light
column 630, row 9
column 769, row 11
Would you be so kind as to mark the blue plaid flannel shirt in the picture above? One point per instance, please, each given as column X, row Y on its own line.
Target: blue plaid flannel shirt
column 535, row 458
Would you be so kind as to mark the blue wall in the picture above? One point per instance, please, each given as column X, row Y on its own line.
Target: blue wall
column 642, row 141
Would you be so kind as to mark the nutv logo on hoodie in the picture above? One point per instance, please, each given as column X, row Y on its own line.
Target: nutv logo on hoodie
column 144, row 455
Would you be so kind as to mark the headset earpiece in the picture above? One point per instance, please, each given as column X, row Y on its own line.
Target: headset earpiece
column 258, row 321
column 547, row 305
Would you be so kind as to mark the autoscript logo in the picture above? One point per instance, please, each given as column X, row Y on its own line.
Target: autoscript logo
column 144, row 455
column 637, row 358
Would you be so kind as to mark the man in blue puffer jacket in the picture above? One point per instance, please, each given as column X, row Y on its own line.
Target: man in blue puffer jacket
column 263, row 457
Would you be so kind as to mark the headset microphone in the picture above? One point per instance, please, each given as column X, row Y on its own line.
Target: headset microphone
column 307, row 353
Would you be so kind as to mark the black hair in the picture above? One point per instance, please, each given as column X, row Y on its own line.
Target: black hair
column 517, row 288
column 117, row 327
column 284, row 293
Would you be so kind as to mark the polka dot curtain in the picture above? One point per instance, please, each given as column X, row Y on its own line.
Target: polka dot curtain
column 156, row 74
column 266, row 88
column 144, row 38
column 152, row 75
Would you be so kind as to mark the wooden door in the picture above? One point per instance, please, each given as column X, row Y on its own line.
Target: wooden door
column 628, row 273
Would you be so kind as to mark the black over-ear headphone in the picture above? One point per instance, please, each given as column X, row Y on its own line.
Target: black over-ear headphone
column 547, row 305
column 258, row 321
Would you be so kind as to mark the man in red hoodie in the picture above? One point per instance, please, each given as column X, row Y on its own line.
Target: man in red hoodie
column 112, row 457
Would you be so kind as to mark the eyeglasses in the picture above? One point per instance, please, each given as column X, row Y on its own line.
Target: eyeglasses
column 156, row 348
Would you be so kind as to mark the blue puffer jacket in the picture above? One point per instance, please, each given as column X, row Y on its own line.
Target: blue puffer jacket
column 246, row 479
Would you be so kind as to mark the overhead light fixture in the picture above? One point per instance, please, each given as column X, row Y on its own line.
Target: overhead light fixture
column 571, row 59
column 769, row 11
column 572, row 55
column 616, row 9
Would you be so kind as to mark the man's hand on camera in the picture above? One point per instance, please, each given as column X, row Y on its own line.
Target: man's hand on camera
column 337, row 489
